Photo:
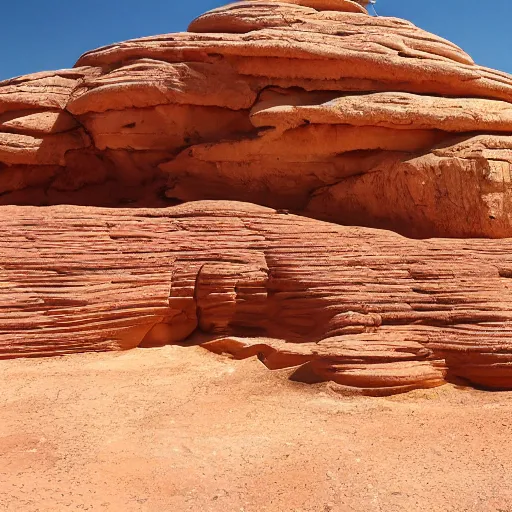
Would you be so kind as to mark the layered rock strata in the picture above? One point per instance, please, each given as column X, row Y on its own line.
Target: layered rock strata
column 365, row 308
column 306, row 106
column 310, row 105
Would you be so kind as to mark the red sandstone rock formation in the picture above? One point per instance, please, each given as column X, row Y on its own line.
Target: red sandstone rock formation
column 310, row 106
column 362, row 307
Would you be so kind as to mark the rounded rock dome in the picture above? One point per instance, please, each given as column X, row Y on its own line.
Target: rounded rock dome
column 327, row 5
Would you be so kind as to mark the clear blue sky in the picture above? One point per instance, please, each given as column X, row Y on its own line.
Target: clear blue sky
column 40, row 35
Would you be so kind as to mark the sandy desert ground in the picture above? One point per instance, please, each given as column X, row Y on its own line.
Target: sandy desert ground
column 181, row 429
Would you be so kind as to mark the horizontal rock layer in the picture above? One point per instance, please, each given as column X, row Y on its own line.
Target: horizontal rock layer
column 308, row 105
column 365, row 308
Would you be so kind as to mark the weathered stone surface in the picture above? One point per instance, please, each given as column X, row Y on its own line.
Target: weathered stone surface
column 168, row 128
column 462, row 188
column 37, row 122
column 147, row 83
column 364, row 308
column 285, row 111
column 25, row 149
column 310, row 105
column 49, row 90
column 326, row 5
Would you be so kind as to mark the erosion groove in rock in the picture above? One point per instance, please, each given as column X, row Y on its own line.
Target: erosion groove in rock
column 308, row 105
column 365, row 308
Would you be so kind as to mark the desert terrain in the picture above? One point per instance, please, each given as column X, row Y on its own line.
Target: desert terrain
column 182, row 429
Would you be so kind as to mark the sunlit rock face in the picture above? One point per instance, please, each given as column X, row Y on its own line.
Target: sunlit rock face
column 259, row 124
column 365, row 308
column 309, row 105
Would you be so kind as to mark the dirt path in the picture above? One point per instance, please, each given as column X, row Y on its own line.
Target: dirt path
column 177, row 429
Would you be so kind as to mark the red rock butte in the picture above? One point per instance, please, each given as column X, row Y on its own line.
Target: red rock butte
column 248, row 185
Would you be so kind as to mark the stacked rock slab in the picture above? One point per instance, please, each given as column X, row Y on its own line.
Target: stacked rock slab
column 310, row 107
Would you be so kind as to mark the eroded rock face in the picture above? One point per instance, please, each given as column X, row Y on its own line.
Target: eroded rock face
column 365, row 308
column 309, row 105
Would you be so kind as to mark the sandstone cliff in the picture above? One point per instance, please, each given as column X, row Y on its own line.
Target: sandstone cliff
column 313, row 106
column 306, row 106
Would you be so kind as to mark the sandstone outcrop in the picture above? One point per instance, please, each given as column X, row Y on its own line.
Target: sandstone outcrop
column 309, row 105
column 266, row 109
column 365, row 308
